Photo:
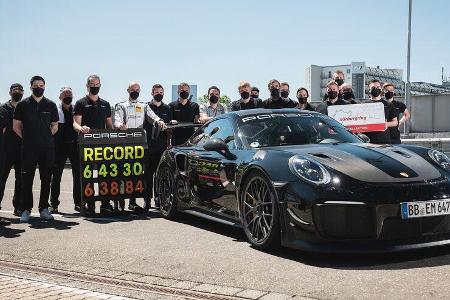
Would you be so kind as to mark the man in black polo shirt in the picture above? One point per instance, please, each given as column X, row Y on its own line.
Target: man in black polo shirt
column 65, row 148
column 36, row 121
column 157, row 139
column 332, row 98
column 275, row 101
column 399, row 108
column 12, row 148
column 2, row 156
column 92, row 112
column 381, row 137
column 246, row 101
column 184, row 111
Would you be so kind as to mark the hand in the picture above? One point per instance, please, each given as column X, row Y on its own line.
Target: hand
column 123, row 127
column 161, row 124
column 85, row 129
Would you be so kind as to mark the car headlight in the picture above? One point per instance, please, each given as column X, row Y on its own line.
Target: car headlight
column 440, row 158
column 309, row 170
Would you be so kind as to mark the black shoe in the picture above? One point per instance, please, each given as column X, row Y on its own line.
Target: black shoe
column 77, row 208
column 17, row 212
column 4, row 222
column 53, row 210
column 106, row 209
column 135, row 208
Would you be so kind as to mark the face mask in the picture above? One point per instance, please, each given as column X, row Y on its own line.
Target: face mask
column 158, row 97
column 274, row 92
column 134, row 95
column 38, row 92
column 284, row 94
column 67, row 100
column 375, row 92
column 213, row 99
column 254, row 96
column 302, row 100
column 245, row 95
column 339, row 81
column 16, row 97
column 332, row 95
column 184, row 95
column 347, row 95
column 94, row 90
column 388, row 94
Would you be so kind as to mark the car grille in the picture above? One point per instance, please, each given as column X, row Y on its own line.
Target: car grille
column 397, row 229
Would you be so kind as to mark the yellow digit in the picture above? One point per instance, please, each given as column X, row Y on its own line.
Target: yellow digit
column 113, row 172
column 127, row 171
column 87, row 173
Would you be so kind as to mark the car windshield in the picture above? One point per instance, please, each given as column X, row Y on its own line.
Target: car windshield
column 268, row 130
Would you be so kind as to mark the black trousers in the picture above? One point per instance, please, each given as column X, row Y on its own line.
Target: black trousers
column 44, row 158
column 152, row 164
column 12, row 159
column 63, row 152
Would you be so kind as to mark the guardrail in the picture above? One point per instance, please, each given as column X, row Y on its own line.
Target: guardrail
column 441, row 144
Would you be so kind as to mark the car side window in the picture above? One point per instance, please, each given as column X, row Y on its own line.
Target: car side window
column 203, row 134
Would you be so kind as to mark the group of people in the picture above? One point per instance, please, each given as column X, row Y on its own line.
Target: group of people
column 36, row 131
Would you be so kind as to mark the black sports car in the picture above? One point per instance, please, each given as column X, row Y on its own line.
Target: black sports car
column 302, row 180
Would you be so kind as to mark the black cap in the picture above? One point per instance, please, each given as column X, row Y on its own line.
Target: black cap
column 255, row 89
column 16, row 85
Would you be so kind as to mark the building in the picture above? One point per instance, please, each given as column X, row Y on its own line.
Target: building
column 359, row 75
column 192, row 97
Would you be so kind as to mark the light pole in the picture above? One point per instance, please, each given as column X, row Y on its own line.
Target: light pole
column 408, row 70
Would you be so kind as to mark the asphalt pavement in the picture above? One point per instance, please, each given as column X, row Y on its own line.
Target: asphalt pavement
column 197, row 254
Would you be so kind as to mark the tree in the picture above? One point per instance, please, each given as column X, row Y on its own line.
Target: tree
column 224, row 100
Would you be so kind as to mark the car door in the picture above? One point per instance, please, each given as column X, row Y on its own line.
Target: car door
column 213, row 173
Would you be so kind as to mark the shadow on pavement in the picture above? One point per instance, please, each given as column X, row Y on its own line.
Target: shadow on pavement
column 413, row 259
column 7, row 232
column 126, row 216
column 233, row 232
column 38, row 223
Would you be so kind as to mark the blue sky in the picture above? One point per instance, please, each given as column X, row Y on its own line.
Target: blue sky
column 211, row 42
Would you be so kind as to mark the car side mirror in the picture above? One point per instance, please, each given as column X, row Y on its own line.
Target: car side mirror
column 220, row 146
column 363, row 137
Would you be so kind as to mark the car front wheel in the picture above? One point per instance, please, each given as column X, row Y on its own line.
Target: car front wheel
column 165, row 188
column 259, row 212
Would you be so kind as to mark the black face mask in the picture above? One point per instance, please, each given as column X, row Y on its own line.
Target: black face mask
column 94, row 90
column 184, row 95
column 332, row 95
column 158, row 97
column 375, row 92
column 347, row 95
column 339, row 81
column 38, row 92
column 16, row 97
column 254, row 96
column 274, row 92
column 213, row 99
column 67, row 100
column 245, row 95
column 302, row 100
column 388, row 94
column 134, row 95
column 284, row 94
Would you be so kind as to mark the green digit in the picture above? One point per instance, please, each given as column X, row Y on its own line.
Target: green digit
column 127, row 171
column 87, row 173
column 113, row 172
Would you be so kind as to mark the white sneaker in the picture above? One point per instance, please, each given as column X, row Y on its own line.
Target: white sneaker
column 25, row 216
column 45, row 214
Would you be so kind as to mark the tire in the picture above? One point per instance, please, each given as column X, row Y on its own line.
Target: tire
column 260, row 212
column 165, row 191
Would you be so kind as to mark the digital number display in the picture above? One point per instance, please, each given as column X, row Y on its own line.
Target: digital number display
column 112, row 164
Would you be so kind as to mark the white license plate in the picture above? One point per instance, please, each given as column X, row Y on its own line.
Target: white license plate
column 425, row 208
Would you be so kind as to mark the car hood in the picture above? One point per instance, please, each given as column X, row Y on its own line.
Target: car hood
column 369, row 162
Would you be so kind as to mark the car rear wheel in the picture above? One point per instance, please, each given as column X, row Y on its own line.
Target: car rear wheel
column 259, row 210
column 165, row 188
